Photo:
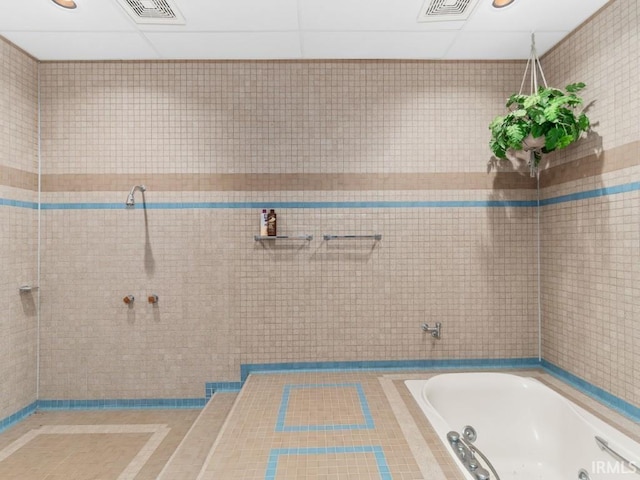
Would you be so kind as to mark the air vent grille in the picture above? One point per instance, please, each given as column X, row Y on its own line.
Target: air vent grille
column 159, row 12
column 446, row 10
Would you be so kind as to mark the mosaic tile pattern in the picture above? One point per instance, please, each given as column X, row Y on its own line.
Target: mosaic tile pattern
column 403, row 445
column 315, row 407
column 339, row 462
column 590, row 255
column 251, row 447
column 235, row 436
column 320, row 132
column 18, row 235
column 198, row 132
column 122, row 445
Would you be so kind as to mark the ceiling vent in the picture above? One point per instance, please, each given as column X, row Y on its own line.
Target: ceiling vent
column 153, row 12
column 446, row 10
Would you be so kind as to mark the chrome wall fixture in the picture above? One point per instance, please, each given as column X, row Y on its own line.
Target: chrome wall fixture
column 26, row 288
column 129, row 299
column 434, row 331
column 329, row 236
column 130, row 199
column 153, row 299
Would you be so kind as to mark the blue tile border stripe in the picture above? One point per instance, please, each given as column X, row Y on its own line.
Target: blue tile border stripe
column 284, row 406
column 595, row 193
column 21, row 414
column 122, row 404
column 260, row 205
column 623, row 407
column 6, row 202
column 247, row 369
column 599, row 192
column 615, row 403
column 213, row 387
column 276, row 453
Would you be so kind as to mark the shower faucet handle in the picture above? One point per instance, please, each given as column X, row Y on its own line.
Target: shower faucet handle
column 129, row 299
column 153, row 299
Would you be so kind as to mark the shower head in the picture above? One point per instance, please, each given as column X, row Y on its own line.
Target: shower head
column 130, row 200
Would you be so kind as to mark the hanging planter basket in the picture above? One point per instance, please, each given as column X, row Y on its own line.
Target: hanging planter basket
column 545, row 120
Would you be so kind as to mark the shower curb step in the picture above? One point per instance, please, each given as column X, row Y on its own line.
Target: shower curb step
column 188, row 459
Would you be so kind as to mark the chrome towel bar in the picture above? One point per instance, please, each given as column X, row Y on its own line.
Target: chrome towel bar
column 375, row 236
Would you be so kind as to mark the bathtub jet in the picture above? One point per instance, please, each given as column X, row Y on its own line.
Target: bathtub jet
column 130, row 203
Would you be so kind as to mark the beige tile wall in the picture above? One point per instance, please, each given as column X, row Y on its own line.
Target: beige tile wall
column 591, row 248
column 321, row 131
column 329, row 132
column 18, row 246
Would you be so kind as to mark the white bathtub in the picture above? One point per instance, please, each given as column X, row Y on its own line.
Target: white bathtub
column 527, row 430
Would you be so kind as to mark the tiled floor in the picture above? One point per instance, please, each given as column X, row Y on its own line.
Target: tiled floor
column 312, row 425
column 316, row 425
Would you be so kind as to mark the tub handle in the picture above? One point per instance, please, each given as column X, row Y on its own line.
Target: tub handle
column 475, row 450
column 604, row 445
column 466, row 452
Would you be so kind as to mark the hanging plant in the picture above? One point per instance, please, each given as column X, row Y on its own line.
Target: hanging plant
column 540, row 123
column 544, row 121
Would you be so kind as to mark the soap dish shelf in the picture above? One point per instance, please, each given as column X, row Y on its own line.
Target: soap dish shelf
column 260, row 238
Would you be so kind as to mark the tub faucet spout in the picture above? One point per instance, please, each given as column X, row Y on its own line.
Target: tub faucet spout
column 434, row 331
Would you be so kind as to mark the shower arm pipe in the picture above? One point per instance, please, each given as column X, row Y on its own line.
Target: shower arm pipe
column 604, row 446
column 142, row 188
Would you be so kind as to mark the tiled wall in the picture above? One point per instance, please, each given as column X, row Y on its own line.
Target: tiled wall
column 396, row 148
column 591, row 246
column 18, row 232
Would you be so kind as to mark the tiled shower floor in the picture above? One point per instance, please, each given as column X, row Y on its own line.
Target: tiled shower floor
column 317, row 425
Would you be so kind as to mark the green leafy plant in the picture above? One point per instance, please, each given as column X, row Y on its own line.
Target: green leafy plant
column 549, row 116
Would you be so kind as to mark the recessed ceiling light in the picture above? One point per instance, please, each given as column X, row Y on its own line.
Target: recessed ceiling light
column 70, row 4
column 499, row 3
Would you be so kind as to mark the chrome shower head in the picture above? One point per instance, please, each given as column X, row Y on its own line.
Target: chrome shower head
column 130, row 200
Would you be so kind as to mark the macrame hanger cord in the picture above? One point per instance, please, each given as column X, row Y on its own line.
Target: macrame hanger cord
column 533, row 63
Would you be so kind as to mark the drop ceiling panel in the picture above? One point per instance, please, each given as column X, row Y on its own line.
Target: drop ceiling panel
column 500, row 45
column 289, row 29
column 533, row 15
column 44, row 16
column 235, row 15
column 384, row 45
column 83, row 46
column 226, row 45
column 358, row 15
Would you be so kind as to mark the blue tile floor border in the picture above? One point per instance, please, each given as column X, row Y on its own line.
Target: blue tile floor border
column 123, row 404
column 250, row 368
column 21, row 414
column 284, row 406
column 276, row 453
column 213, row 387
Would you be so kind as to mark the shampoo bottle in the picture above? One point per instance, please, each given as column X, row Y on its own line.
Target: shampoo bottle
column 263, row 223
column 271, row 223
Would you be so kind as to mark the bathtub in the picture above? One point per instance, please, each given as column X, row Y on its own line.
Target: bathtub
column 526, row 429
